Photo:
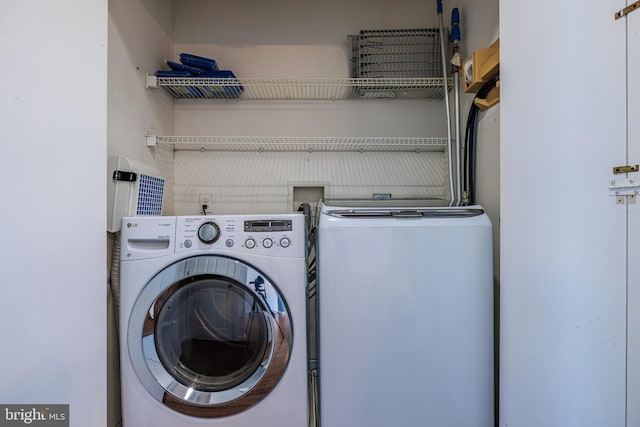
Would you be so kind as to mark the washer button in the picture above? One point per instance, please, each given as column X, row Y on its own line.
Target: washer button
column 229, row 243
column 285, row 242
column 250, row 243
column 187, row 243
column 267, row 243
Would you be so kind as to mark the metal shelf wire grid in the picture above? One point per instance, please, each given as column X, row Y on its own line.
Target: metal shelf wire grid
column 406, row 53
column 300, row 89
column 309, row 144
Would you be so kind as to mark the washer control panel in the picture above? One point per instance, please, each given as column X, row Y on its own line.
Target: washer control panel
column 274, row 235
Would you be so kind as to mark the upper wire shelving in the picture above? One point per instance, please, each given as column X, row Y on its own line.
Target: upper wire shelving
column 300, row 89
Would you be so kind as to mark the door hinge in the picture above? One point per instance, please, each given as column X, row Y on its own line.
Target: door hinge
column 627, row 10
column 625, row 169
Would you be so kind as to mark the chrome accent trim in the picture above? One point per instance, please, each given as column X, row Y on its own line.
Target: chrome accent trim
column 405, row 213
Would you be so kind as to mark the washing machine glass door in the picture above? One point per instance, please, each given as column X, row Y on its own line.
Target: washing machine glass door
column 210, row 336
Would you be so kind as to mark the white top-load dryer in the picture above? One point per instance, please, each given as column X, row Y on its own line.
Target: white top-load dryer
column 405, row 295
column 213, row 321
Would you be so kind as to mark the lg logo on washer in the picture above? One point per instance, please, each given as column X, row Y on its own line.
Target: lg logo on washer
column 40, row 415
column 134, row 225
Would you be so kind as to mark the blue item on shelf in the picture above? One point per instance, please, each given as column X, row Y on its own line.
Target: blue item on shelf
column 198, row 61
column 181, row 67
column 191, row 92
column 221, row 91
column 199, row 87
column 218, row 74
column 172, row 73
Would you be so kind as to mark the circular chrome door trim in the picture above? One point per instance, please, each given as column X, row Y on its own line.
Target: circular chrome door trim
column 187, row 398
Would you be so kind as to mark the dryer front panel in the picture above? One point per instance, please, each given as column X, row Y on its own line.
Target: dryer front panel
column 210, row 336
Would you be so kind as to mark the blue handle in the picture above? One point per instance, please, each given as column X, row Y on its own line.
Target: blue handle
column 455, row 16
column 455, row 32
column 455, row 28
column 439, row 2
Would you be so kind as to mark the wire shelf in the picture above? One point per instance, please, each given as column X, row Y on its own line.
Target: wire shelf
column 300, row 89
column 290, row 144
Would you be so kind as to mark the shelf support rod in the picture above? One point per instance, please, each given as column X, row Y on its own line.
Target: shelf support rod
column 445, row 88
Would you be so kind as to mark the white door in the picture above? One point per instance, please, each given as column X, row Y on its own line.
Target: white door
column 563, row 238
column 632, row 23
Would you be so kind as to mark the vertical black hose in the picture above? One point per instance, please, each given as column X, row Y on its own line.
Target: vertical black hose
column 471, row 134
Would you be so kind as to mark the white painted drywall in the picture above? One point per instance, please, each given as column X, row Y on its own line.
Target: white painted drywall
column 296, row 39
column 633, row 319
column 54, row 123
column 563, row 238
column 250, row 182
column 479, row 27
column 140, row 37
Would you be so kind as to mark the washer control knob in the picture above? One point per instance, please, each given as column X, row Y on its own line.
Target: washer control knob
column 250, row 243
column 285, row 242
column 267, row 243
column 209, row 232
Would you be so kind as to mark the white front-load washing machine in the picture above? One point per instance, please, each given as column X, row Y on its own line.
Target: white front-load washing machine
column 213, row 321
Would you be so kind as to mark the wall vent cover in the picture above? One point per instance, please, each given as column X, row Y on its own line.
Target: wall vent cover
column 150, row 192
column 139, row 191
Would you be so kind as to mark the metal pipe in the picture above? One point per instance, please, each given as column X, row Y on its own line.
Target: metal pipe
column 457, row 62
column 445, row 85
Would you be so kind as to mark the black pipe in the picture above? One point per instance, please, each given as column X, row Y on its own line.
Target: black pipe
column 470, row 138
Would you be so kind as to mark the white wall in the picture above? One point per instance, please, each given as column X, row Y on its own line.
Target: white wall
column 633, row 319
column 54, row 122
column 563, row 253
column 297, row 39
column 252, row 182
column 140, row 35
column 479, row 26
column 250, row 30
